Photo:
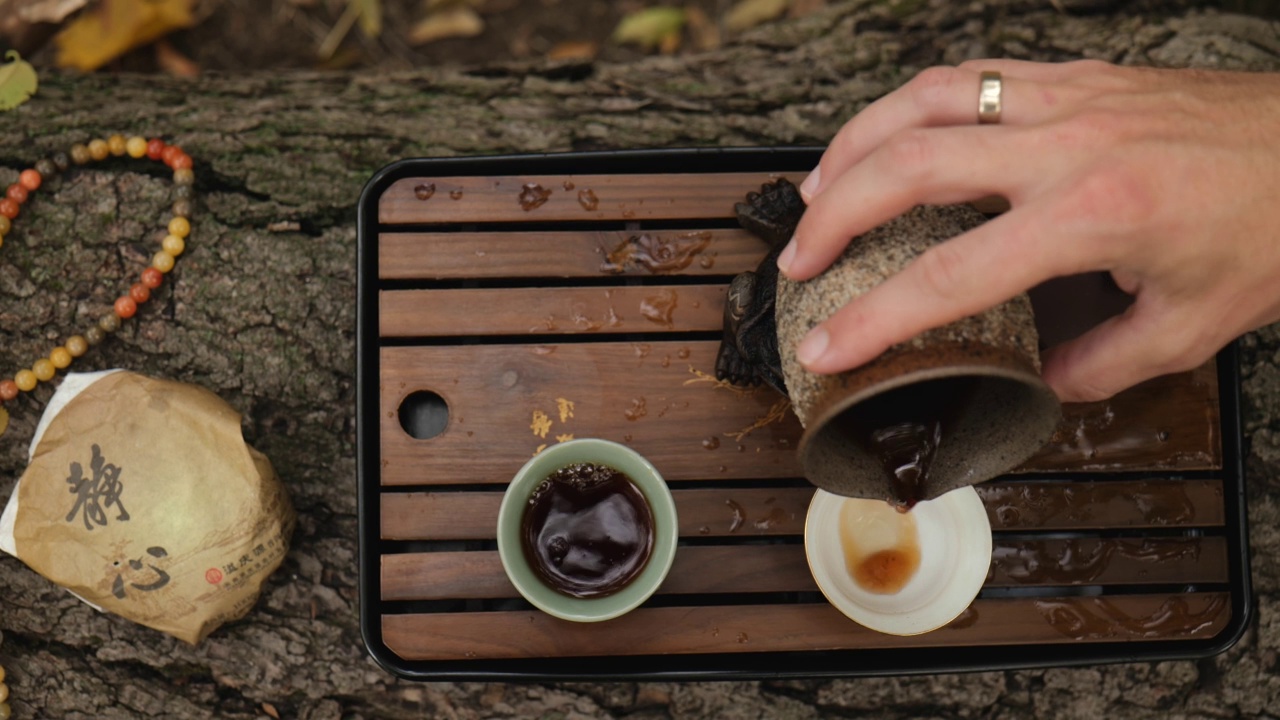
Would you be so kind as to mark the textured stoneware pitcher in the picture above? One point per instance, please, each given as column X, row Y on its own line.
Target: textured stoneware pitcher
column 979, row 376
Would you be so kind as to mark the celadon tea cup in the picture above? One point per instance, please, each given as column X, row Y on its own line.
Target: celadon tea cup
column 592, row 531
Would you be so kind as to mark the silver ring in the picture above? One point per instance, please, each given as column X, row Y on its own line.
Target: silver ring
column 990, row 88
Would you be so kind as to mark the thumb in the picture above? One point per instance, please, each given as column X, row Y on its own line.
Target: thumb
column 1121, row 352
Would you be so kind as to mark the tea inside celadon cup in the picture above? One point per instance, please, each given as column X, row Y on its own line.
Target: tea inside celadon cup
column 657, row 496
column 854, row 545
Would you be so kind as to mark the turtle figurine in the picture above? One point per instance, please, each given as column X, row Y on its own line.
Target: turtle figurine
column 749, row 349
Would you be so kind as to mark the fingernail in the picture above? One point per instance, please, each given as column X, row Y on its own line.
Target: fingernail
column 813, row 346
column 788, row 254
column 810, row 185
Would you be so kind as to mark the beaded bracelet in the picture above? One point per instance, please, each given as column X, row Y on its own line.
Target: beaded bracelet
column 29, row 180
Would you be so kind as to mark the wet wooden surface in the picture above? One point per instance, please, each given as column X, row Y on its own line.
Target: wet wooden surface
column 798, row 627
column 606, row 325
column 656, row 396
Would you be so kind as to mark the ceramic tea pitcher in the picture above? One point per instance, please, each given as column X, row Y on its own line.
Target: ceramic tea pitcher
column 972, row 389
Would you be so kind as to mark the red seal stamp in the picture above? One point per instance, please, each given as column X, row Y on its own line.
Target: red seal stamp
column 213, row 575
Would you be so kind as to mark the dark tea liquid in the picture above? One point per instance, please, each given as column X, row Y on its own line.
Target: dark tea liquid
column 587, row 530
column 903, row 428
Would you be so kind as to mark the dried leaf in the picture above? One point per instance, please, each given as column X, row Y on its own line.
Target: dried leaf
column 18, row 81
column 573, row 50
column 175, row 63
column 801, row 8
column 750, row 13
column 705, row 33
column 450, row 22
column 44, row 11
column 270, row 709
column 650, row 28
column 115, row 27
column 370, row 17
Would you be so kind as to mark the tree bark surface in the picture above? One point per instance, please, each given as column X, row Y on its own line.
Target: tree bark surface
column 261, row 310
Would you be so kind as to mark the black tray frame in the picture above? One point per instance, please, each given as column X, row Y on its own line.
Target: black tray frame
column 764, row 665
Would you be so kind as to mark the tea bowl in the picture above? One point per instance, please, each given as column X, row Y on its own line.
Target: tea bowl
column 952, row 537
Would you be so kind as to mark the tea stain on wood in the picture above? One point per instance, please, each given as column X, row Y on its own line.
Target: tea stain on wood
column 620, row 197
column 566, row 254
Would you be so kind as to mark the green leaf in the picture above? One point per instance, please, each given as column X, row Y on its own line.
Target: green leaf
column 18, row 81
column 650, row 27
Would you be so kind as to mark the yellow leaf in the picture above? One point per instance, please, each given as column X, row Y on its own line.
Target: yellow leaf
column 115, row 27
column 651, row 27
column 451, row 22
column 750, row 13
column 370, row 17
column 18, row 82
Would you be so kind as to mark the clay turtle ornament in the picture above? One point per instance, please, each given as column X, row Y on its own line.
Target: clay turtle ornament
column 749, row 350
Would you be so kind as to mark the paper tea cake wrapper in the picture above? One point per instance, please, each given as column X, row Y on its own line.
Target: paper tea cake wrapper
column 143, row 499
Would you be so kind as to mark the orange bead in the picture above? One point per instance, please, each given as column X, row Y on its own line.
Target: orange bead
column 140, row 293
column 16, row 193
column 8, row 208
column 126, row 307
column 117, row 145
column 25, row 380
column 181, row 161
column 8, row 389
column 169, row 153
column 152, row 278
column 5, row 225
column 30, row 179
column 155, row 148
column 60, row 357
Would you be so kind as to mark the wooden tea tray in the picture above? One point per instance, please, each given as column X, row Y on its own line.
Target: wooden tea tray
column 510, row 303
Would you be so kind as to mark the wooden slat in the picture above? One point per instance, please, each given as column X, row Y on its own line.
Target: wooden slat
column 783, row 568
column 745, row 512
column 584, row 253
column 568, row 197
column 645, row 395
column 634, row 393
column 743, row 629
column 550, row 311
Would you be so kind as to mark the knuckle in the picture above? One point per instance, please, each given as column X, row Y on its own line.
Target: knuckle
column 1114, row 199
column 910, row 154
column 929, row 88
column 941, row 271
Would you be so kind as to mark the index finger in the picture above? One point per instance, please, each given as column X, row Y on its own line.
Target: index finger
column 956, row 278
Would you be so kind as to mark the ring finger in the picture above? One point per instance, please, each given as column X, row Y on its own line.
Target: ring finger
column 937, row 97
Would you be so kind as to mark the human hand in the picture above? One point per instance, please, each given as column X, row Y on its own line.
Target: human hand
column 1167, row 179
